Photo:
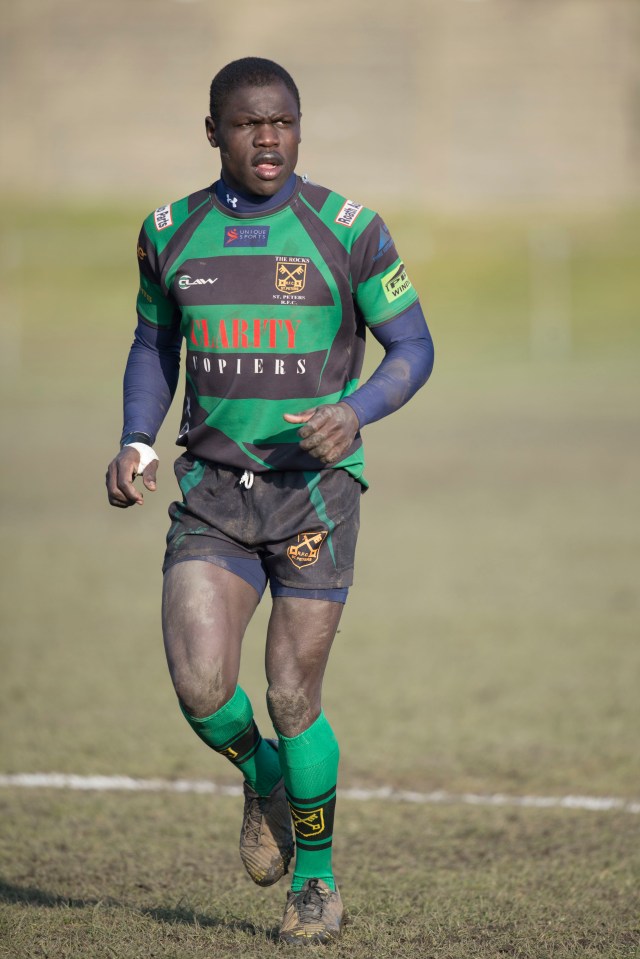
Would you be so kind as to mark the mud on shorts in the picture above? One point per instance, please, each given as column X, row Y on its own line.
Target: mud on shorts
column 295, row 529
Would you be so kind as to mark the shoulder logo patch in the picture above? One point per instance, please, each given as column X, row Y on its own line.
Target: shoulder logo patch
column 305, row 551
column 162, row 217
column 395, row 283
column 384, row 243
column 348, row 213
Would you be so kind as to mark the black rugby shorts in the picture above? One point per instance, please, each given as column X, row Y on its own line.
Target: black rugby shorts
column 296, row 529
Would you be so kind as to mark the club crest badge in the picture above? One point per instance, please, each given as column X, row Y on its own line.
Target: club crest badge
column 290, row 276
column 308, row 823
column 305, row 551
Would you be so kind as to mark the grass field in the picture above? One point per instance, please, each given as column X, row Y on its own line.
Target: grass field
column 489, row 645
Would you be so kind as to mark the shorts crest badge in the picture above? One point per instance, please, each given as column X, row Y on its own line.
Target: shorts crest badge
column 305, row 551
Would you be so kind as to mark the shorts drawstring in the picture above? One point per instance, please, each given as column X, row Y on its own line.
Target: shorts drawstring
column 246, row 479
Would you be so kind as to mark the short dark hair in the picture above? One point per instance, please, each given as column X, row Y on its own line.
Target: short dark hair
column 247, row 72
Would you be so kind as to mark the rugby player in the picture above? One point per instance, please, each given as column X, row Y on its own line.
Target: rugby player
column 273, row 282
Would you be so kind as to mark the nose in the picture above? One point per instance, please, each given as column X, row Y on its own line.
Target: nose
column 266, row 134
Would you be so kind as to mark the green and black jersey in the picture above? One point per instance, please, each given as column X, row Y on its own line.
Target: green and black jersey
column 273, row 308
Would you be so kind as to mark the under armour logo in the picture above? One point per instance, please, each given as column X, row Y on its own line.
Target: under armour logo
column 232, row 201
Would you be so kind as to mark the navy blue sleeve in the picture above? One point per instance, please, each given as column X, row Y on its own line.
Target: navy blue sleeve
column 150, row 378
column 405, row 367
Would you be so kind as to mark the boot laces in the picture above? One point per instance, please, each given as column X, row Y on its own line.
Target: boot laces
column 253, row 821
column 310, row 903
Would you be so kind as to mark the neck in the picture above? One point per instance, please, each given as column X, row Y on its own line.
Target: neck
column 239, row 202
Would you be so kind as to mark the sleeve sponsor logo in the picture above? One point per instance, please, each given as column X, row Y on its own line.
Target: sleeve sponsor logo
column 141, row 253
column 162, row 217
column 395, row 283
column 246, row 235
column 348, row 213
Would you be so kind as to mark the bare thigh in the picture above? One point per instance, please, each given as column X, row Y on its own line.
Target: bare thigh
column 205, row 612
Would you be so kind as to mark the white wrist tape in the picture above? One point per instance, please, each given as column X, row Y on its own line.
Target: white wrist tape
column 147, row 455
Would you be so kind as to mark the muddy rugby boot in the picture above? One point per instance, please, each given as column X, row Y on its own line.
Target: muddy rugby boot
column 312, row 915
column 266, row 838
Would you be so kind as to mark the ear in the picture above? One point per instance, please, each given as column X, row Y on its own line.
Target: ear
column 210, row 127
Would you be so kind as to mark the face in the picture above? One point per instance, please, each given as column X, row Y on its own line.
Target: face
column 258, row 135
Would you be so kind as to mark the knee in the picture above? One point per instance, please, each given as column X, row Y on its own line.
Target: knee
column 201, row 695
column 290, row 709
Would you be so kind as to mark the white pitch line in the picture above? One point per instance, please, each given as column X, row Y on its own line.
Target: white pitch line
column 385, row 794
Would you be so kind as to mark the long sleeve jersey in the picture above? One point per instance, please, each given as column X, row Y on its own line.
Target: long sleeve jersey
column 273, row 302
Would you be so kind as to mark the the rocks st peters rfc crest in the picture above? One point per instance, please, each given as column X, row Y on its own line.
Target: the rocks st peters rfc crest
column 290, row 276
column 305, row 551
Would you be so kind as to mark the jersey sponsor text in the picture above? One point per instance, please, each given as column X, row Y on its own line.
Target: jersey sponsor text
column 186, row 281
column 395, row 283
column 162, row 217
column 256, row 365
column 348, row 213
column 240, row 334
column 246, row 235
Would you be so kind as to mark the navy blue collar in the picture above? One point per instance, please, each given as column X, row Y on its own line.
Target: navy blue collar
column 237, row 202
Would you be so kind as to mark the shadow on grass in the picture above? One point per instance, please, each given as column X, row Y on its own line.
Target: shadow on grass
column 191, row 918
column 31, row 896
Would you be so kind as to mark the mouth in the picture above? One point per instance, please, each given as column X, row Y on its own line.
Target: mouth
column 267, row 165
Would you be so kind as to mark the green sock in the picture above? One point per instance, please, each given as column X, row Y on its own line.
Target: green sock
column 232, row 732
column 310, row 769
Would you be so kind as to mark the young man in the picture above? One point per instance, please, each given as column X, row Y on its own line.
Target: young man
column 272, row 282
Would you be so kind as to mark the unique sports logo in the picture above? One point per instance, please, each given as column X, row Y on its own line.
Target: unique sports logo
column 246, row 235
column 141, row 253
column 291, row 276
column 348, row 213
column 305, row 551
column 395, row 283
column 185, row 281
column 163, row 218
column 308, row 823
